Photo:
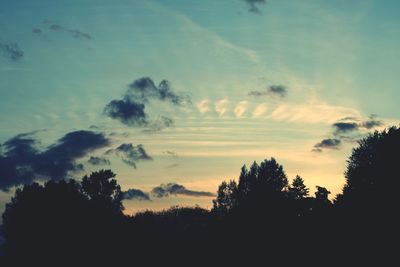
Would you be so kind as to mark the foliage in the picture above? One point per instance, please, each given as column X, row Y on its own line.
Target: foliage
column 298, row 190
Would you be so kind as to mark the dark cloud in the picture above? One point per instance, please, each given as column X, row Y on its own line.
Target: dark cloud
column 327, row 143
column 80, row 35
column 21, row 162
column 348, row 129
column 144, row 89
column 372, row 123
column 130, row 110
column 127, row 111
column 98, row 161
column 350, row 124
column 273, row 90
column 253, row 4
column 165, row 190
column 77, row 34
column 136, row 194
column 257, row 93
column 130, row 154
column 37, row 31
column 73, row 32
column 11, row 50
column 345, row 127
column 278, row 90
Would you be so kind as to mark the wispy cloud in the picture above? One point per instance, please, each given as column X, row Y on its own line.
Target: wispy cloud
column 98, row 161
column 240, row 109
column 312, row 113
column 261, row 109
column 221, row 106
column 166, row 190
column 11, row 50
column 130, row 154
column 204, row 105
column 272, row 90
column 77, row 34
column 250, row 54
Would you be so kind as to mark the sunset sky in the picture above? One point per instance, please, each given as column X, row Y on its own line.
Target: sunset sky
column 176, row 95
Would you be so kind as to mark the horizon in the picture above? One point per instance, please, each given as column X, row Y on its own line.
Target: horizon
column 82, row 89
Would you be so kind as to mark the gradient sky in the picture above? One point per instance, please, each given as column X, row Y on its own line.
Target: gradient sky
column 331, row 62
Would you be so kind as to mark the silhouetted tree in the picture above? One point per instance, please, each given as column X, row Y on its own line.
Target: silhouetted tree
column 269, row 175
column 46, row 218
column 322, row 194
column 372, row 175
column 102, row 189
column 298, row 190
column 227, row 197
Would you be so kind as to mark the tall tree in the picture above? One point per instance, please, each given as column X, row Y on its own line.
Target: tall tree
column 373, row 176
column 227, row 198
column 298, row 190
column 102, row 189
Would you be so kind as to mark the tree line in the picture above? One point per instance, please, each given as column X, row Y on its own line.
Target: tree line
column 262, row 217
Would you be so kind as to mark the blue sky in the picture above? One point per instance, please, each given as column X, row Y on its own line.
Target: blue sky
column 332, row 59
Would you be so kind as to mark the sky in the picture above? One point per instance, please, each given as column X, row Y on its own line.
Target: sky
column 176, row 95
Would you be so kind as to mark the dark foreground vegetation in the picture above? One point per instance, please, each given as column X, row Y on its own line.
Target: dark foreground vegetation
column 261, row 220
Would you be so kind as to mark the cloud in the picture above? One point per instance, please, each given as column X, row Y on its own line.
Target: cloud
column 221, row 106
column 11, row 50
column 136, row 194
column 312, row 113
column 77, row 34
column 260, row 110
column 240, row 109
column 351, row 124
column 166, row 190
column 372, row 122
column 130, row 110
column 171, row 153
column 345, row 127
column 328, row 144
column 273, row 90
column 98, row 161
column 144, row 89
column 21, row 162
column 37, row 31
column 203, row 106
column 127, row 112
column 130, row 154
column 175, row 165
column 278, row 90
column 253, row 4
column 348, row 129
column 159, row 124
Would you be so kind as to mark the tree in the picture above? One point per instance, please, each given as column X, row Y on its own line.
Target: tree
column 271, row 176
column 227, row 198
column 261, row 187
column 268, row 176
column 372, row 175
column 58, row 216
column 298, row 190
column 47, row 218
column 103, row 190
column 321, row 195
